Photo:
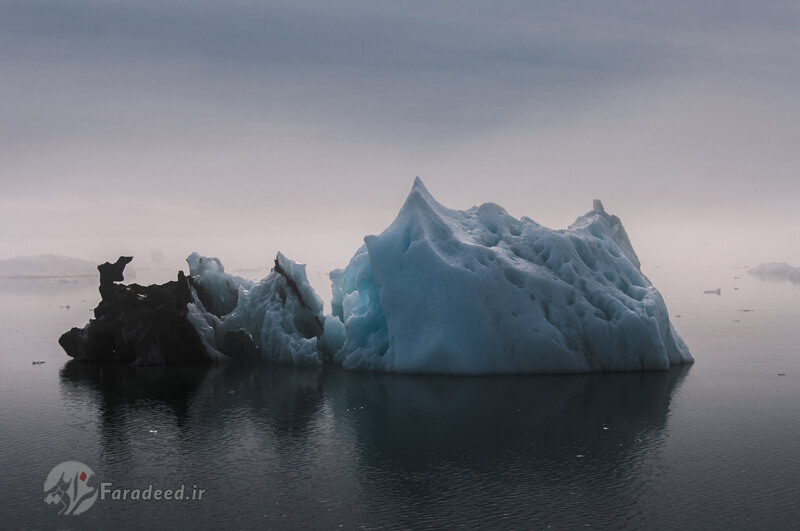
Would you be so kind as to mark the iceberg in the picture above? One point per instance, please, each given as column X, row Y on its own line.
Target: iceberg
column 142, row 325
column 472, row 292
column 47, row 266
column 440, row 291
column 777, row 271
column 209, row 316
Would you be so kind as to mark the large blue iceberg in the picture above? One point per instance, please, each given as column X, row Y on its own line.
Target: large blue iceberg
column 477, row 292
column 445, row 291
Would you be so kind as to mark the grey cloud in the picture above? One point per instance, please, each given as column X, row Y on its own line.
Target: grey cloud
column 261, row 110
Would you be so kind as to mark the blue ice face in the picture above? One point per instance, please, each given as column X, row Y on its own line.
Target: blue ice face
column 478, row 292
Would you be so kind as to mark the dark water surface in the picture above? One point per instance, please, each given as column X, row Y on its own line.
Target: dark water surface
column 710, row 446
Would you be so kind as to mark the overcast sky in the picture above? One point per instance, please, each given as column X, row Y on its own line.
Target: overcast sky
column 241, row 128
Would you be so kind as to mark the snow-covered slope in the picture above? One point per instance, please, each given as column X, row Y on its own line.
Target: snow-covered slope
column 478, row 291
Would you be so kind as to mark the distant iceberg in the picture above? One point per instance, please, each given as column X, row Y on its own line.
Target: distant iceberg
column 46, row 266
column 777, row 271
column 479, row 292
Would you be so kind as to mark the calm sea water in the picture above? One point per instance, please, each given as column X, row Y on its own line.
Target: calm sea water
column 710, row 446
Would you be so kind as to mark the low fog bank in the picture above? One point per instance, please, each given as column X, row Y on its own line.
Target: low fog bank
column 672, row 252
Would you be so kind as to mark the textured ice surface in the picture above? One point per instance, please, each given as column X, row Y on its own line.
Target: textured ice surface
column 278, row 319
column 478, row 292
column 218, row 290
